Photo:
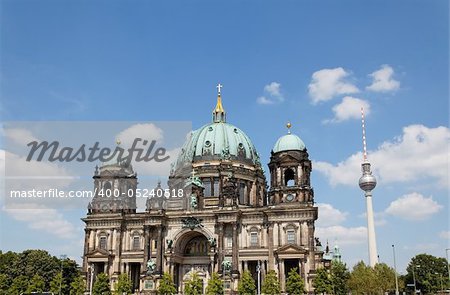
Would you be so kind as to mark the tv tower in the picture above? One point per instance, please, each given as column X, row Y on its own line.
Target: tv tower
column 367, row 183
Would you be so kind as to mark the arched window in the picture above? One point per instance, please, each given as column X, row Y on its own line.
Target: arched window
column 242, row 193
column 254, row 237
column 289, row 177
column 136, row 242
column 207, row 184
column 107, row 188
column 103, row 242
column 291, row 234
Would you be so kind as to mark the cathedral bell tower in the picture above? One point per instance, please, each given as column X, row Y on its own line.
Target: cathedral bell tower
column 290, row 170
column 115, row 185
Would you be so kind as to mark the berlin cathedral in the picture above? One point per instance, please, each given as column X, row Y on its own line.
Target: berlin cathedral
column 229, row 219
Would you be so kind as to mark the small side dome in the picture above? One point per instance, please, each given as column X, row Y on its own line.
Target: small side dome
column 289, row 142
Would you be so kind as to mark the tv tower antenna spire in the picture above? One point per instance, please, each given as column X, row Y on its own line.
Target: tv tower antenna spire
column 367, row 183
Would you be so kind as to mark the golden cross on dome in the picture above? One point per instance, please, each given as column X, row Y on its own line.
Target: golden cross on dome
column 219, row 87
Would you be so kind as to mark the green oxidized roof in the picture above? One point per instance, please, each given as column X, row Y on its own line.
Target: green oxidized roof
column 218, row 140
column 289, row 142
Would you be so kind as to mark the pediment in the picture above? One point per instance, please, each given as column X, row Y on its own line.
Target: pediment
column 290, row 248
column 98, row 253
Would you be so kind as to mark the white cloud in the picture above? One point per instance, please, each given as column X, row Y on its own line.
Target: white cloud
column 273, row 89
column 383, row 81
column 420, row 153
column 19, row 135
column 445, row 235
column 327, row 83
column 343, row 235
column 148, row 132
column 413, row 206
column 273, row 94
column 328, row 215
column 349, row 108
column 39, row 217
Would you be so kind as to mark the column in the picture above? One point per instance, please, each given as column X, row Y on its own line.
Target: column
column 263, row 270
column 245, row 265
column 283, row 275
column 270, row 245
column 279, row 234
column 110, row 240
column 94, row 244
column 146, row 243
column 220, row 244
column 235, row 247
column 87, row 233
column 159, row 250
column 302, row 268
column 311, row 245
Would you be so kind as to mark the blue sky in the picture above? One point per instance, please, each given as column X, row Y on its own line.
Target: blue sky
column 314, row 62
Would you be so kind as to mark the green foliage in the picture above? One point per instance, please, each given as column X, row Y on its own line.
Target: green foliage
column 194, row 286
column 19, row 285
column 385, row 277
column 78, row 286
column 166, row 285
column 246, row 284
column 339, row 277
column 362, row 279
column 37, row 284
column 5, row 282
column 322, row 281
column 271, row 285
column 215, row 285
column 123, row 285
column 294, row 283
column 430, row 272
column 35, row 262
column 101, row 285
column 56, row 283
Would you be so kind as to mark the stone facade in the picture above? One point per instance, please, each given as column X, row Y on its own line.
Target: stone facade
column 225, row 220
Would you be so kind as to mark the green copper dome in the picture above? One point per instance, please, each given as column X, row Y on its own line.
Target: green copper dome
column 289, row 142
column 218, row 140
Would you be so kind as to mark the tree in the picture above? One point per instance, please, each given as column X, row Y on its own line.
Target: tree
column 363, row 280
column 339, row 278
column 19, row 285
column 246, row 284
column 166, row 285
column 37, row 262
column 37, row 284
column 428, row 271
column 78, row 286
column 123, row 285
column 385, row 277
column 5, row 283
column 194, row 286
column 215, row 285
column 322, row 281
column 56, row 283
column 294, row 283
column 71, row 273
column 101, row 285
column 271, row 285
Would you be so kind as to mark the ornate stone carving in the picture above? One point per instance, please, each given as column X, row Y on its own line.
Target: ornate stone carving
column 191, row 222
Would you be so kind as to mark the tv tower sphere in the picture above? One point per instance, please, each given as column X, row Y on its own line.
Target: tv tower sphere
column 367, row 182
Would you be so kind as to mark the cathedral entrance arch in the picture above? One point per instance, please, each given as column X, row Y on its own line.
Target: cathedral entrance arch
column 192, row 255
